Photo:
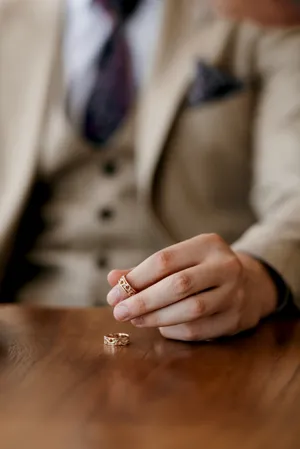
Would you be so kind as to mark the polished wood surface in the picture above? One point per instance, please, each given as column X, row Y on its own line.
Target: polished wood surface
column 61, row 388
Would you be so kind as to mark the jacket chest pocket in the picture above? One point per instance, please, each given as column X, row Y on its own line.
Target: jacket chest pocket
column 212, row 145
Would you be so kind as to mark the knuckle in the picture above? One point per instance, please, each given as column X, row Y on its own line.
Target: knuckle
column 182, row 284
column 233, row 267
column 199, row 307
column 140, row 306
column 214, row 239
column 163, row 260
column 190, row 333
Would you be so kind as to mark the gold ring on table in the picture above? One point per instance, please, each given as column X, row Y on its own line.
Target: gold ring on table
column 116, row 339
column 124, row 284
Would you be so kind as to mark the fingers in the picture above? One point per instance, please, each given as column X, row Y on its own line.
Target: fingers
column 168, row 291
column 162, row 264
column 166, row 262
column 188, row 310
column 224, row 324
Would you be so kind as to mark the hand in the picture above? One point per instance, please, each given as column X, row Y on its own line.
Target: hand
column 196, row 290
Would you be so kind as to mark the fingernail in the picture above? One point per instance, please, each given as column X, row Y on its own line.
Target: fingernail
column 121, row 312
column 138, row 322
column 115, row 296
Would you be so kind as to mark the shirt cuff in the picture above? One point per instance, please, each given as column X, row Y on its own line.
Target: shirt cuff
column 284, row 294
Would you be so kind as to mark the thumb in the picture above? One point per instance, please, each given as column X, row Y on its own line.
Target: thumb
column 114, row 276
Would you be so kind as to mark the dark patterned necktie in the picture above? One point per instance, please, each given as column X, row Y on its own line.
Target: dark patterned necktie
column 112, row 94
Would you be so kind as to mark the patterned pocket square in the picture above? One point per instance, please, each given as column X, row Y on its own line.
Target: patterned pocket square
column 211, row 84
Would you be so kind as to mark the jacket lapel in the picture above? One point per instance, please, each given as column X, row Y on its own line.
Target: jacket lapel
column 171, row 79
column 29, row 32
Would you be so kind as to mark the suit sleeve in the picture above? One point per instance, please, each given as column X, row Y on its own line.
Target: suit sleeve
column 275, row 197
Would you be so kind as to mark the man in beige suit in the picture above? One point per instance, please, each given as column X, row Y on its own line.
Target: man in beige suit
column 208, row 155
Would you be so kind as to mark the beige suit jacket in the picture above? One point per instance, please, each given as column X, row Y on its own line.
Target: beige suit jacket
column 230, row 166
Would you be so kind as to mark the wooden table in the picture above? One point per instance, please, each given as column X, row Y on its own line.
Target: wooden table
column 60, row 388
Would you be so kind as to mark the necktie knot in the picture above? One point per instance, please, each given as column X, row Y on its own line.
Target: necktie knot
column 122, row 9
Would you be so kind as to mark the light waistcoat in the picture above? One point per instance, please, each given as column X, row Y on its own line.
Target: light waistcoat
column 92, row 221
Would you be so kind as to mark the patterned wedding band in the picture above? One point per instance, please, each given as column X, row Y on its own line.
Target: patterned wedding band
column 116, row 340
column 124, row 284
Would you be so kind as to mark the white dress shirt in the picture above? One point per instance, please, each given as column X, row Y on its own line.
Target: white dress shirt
column 87, row 28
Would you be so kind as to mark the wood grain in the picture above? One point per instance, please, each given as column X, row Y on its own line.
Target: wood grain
column 61, row 388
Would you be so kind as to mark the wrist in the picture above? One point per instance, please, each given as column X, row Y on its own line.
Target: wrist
column 259, row 285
